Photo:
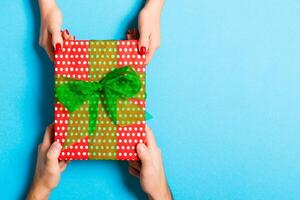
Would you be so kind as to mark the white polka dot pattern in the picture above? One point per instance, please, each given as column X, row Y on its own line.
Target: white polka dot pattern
column 90, row 61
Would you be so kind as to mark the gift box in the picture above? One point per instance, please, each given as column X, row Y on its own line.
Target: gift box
column 99, row 99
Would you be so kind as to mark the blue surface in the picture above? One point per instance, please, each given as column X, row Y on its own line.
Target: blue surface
column 224, row 89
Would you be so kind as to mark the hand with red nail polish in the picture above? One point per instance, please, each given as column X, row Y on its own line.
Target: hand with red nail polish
column 150, row 169
column 50, row 30
column 48, row 168
column 149, row 28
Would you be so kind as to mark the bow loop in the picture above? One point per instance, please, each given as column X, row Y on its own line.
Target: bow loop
column 123, row 82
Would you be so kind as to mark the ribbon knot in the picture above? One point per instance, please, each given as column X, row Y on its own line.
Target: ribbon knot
column 122, row 83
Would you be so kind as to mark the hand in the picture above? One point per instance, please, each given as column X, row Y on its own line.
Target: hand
column 150, row 169
column 51, row 36
column 149, row 28
column 48, row 167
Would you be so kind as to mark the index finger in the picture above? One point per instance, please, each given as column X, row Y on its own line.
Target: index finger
column 153, row 46
column 150, row 140
column 48, row 136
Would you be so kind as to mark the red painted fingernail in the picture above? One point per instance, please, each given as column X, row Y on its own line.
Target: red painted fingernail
column 67, row 32
column 57, row 46
column 143, row 50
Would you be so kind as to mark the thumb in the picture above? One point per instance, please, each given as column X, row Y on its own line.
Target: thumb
column 53, row 154
column 143, row 153
column 57, row 40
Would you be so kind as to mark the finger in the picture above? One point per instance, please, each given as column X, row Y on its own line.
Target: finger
column 135, row 34
column 134, row 172
column 72, row 37
column 65, row 34
column 132, row 34
column 144, row 154
column 150, row 140
column 63, row 162
column 135, row 164
column 48, row 136
column 44, row 38
column 149, row 55
column 153, row 46
column 45, row 42
column 144, row 40
column 53, row 154
column 63, row 165
column 129, row 34
column 57, row 40
column 49, row 49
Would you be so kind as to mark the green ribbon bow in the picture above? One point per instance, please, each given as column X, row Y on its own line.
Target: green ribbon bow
column 122, row 83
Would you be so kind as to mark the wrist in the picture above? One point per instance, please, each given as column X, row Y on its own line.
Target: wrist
column 38, row 191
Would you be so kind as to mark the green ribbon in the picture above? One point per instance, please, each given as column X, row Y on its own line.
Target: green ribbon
column 122, row 83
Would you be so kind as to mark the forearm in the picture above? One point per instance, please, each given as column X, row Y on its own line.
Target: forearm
column 164, row 194
column 46, row 5
column 37, row 192
column 156, row 4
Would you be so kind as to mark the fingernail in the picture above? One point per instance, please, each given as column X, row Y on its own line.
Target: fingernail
column 67, row 32
column 141, row 148
column 57, row 46
column 143, row 50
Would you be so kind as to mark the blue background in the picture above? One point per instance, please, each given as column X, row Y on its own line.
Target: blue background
column 224, row 89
